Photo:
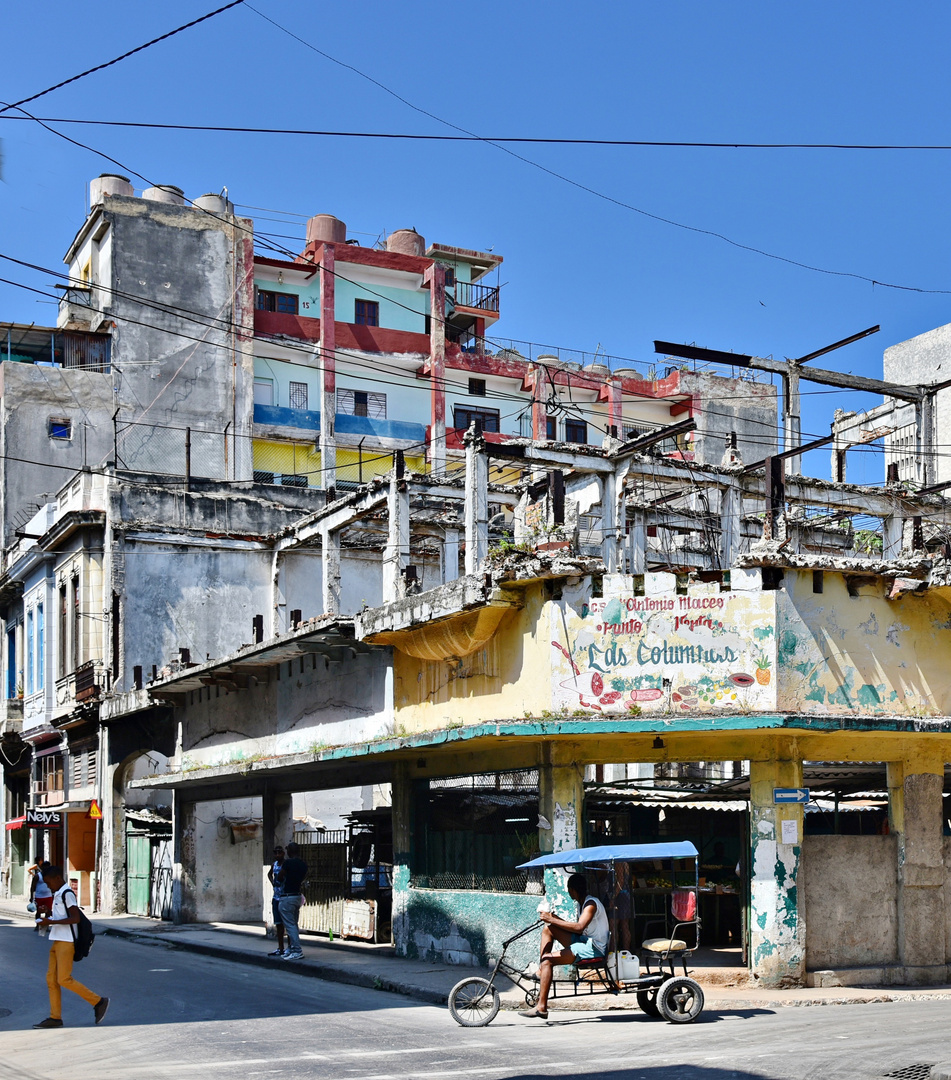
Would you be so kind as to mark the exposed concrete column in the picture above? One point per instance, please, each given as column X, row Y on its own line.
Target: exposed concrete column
column 792, row 426
column 539, row 412
column 328, row 364
column 279, row 594
column 436, row 276
column 609, row 521
column 615, row 396
column 561, row 802
column 637, row 544
column 777, row 926
column 330, row 566
column 402, row 810
column 892, row 534
column 477, row 502
column 277, row 816
column 731, row 523
column 396, row 555
column 450, row 556
column 915, row 800
column 184, row 896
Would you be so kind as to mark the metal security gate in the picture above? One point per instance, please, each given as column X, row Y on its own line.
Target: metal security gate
column 160, row 878
column 138, row 865
column 328, row 880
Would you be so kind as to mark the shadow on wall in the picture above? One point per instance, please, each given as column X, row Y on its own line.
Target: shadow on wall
column 441, row 938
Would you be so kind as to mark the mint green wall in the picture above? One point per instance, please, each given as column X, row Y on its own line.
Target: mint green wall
column 283, row 374
column 393, row 303
column 309, row 294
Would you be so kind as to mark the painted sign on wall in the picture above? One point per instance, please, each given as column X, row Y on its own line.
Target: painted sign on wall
column 664, row 651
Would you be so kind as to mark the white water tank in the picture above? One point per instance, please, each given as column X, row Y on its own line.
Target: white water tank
column 109, row 184
column 406, row 242
column 214, row 204
column 165, row 193
column 326, row 229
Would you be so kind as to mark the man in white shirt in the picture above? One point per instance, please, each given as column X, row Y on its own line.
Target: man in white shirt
column 583, row 939
column 64, row 916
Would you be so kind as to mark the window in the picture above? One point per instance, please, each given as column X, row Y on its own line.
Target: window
column 284, row 303
column 82, row 766
column 634, row 432
column 450, row 276
column 576, row 431
column 13, row 689
column 40, row 647
column 362, row 403
column 293, row 480
column 30, row 654
column 471, row 832
column 48, row 785
column 76, row 639
column 487, row 419
column 477, row 387
column 59, row 428
column 63, row 652
column 551, row 427
column 298, row 395
column 262, row 477
column 366, row 313
column 263, row 391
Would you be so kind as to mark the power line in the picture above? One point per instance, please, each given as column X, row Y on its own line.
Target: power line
column 124, row 56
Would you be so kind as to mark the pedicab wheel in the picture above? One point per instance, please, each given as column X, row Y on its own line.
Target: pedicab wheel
column 473, row 1002
column 531, row 998
column 647, row 1002
column 680, row 1000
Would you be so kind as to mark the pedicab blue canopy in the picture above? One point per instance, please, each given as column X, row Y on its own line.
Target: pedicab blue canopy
column 678, row 849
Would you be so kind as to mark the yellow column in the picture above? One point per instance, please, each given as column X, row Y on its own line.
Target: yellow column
column 777, row 929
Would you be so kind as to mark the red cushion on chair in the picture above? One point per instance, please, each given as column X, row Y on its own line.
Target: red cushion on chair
column 683, row 905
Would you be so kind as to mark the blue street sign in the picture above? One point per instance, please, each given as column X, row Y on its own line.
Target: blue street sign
column 790, row 794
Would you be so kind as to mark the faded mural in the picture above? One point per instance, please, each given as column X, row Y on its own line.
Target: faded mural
column 666, row 652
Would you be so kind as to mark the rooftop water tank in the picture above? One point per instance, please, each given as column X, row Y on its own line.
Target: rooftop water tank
column 109, row 184
column 406, row 242
column 326, row 229
column 165, row 193
column 214, row 204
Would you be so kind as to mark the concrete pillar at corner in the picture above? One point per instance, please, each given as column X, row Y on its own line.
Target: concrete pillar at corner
column 477, row 502
column 402, row 809
column 184, row 897
column 277, row 817
column 328, row 364
column 561, row 802
column 436, row 278
column 777, row 927
column 915, row 790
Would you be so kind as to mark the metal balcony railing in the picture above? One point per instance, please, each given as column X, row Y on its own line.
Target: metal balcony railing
column 481, row 297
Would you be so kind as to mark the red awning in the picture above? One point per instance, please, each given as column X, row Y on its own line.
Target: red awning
column 17, row 823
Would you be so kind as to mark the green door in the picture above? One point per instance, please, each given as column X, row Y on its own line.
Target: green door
column 19, row 843
column 138, row 850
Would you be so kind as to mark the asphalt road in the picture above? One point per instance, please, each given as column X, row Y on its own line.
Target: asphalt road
column 176, row 1015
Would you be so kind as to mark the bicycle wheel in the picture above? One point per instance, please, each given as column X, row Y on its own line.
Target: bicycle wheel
column 473, row 1002
column 680, row 1000
column 647, row 1002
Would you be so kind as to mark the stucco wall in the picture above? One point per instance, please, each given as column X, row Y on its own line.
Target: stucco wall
column 840, row 654
column 849, row 892
column 228, row 880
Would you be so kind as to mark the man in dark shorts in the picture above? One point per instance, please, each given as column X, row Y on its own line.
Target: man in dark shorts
column 291, row 877
column 276, row 900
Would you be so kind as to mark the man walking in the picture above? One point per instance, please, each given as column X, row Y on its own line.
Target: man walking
column 62, row 918
column 291, row 876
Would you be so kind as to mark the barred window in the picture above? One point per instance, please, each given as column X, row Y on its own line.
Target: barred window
column 362, row 403
column 472, row 832
column 298, row 395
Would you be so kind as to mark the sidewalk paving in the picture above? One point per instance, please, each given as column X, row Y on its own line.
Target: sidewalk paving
column 378, row 967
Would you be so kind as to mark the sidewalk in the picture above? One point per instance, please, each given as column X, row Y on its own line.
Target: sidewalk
column 377, row 967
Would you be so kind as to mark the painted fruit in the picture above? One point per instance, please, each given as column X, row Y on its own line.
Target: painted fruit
column 762, row 676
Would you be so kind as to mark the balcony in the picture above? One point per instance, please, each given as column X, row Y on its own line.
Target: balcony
column 54, row 348
column 484, row 298
column 274, row 416
column 86, row 687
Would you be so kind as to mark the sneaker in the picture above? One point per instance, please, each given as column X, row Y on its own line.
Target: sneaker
column 293, row 954
column 277, row 952
column 49, row 1022
column 100, row 1009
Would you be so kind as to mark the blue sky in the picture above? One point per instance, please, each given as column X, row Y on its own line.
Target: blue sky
column 579, row 270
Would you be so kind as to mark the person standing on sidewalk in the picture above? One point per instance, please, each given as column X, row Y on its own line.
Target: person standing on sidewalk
column 64, row 916
column 291, row 877
column 40, row 893
column 276, row 900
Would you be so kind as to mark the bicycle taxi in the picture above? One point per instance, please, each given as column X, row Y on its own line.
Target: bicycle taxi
column 614, row 872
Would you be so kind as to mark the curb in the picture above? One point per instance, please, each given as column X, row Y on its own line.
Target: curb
column 314, row 969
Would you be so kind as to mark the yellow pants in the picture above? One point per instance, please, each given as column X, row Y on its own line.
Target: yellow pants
column 60, row 974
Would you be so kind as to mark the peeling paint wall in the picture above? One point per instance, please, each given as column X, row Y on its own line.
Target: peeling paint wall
column 844, row 654
column 850, row 896
column 228, row 883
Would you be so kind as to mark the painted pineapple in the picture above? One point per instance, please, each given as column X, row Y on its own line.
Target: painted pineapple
column 762, row 670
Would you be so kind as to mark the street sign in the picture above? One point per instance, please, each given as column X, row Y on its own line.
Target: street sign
column 790, row 795
column 95, row 811
column 43, row 819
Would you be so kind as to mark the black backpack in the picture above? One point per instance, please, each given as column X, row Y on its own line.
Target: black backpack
column 83, row 936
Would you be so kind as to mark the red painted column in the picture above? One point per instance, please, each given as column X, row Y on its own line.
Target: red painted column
column 436, row 276
column 328, row 361
column 615, row 397
column 539, row 397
